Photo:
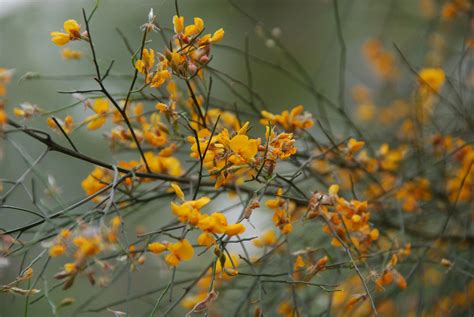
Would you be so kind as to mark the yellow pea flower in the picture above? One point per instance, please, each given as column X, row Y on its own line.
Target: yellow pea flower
column 57, row 250
column 59, row 38
column 199, row 24
column 354, row 146
column 189, row 210
column 431, row 79
column 215, row 223
column 159, row 78
column 234, row 229
column 26, row 110
column 72, row 27
column 178, row 191
column 162, row 107
column 64, row 233
column 101, row 108
column 243, row 146
column 333, row 190
column 71, row 54
column 69, row 267
column 3, row 117
column 73, row 32
column 291, row 120
column 179, row 251
column 374, row 234
column 156, row 247
column 178, row 24
column 88, row 246
column 145, row 64
column 287, row 228
column 217, row 36
column 205, row 239
column 67, row 124
column 299, row 263
column 19, row 112
column 268, row 238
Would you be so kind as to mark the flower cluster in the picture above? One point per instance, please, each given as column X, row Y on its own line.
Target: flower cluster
column 283, row 210
column 189, row 54
column 412, row 192
column 411, row 163
column 460, row 183
column 382, row 60
column 291, row 120
column 84, row 244
column 179, row 251
column 228, row 158
column 189, row 212
column 347, row 221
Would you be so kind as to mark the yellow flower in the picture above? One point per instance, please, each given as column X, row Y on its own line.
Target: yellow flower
column 205, row 239
column 162, row 107
column 3, row 117
column 374, row 234
column 366, row 112
column 156, row 247
column 354, row 146
column 291, row 120
column 431, row 79
column 88, row 246
column 281, row 146
column 67, row 124
column 26, row 110
column 286, row 228
column 145, row 64
column 177, row 190
column 71, row 54
column 382, row 61
column 100, row 107
column 163, row 164
column 95, row 181
column 299, row 263
column 159, row 78
column 227, row 264
column 178, row 24
column 285, row 309
column 234, row 229
column 217, row 36
column 215, row 223
column 411, row 192
column 57, row 250
column 5, row 78
column 268, row 238
column 190, row 301
column 64, row 233
column 189, row 211
column 333, row 190
column 73, row 32
column 245, row 148
column 199, row 23
column 179, row 251
column 59, row 38
column 69, row 267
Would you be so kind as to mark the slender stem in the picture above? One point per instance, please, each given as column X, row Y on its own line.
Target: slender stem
column 114, row 102
column 65, row 134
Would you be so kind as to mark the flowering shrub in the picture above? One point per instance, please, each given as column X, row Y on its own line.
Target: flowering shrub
column 360, row 223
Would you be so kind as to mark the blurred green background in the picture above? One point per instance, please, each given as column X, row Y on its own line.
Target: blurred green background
column 306, row 27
